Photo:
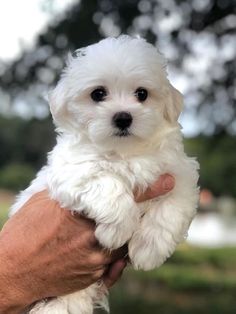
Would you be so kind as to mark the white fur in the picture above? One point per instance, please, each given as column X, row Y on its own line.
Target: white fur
column 92, row 170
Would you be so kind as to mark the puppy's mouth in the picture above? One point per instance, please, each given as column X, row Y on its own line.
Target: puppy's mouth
column 122, row 133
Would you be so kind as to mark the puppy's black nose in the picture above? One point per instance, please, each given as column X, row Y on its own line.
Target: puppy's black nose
column 122, row 120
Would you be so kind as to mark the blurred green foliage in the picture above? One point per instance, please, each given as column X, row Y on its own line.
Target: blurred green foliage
column 25, row 141
column 16, row 177
column 217, row 158
column 24, row 146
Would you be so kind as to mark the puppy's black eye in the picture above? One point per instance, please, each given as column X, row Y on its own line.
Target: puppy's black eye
column 141, row 94
column 98, row 94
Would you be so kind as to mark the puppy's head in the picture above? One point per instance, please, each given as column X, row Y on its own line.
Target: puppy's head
column 115, row 93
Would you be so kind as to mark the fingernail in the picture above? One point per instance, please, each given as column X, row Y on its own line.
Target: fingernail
column 168, row 183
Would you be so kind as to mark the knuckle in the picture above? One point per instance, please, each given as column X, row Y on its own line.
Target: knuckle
column 97, row 259
column 88, row 237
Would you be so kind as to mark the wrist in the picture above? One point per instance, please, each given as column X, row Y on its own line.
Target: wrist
column 13, row 299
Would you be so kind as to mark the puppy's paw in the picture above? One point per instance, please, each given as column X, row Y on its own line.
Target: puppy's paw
column 113, row 236
column 147, row 253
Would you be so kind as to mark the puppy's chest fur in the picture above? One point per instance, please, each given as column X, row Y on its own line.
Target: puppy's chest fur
column 137, row 171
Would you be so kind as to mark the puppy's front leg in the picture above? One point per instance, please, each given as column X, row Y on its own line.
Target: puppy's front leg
column 107, row 200
column 164, row 225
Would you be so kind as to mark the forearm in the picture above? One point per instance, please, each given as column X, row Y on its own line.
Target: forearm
column 8, row 307
column 12, row 298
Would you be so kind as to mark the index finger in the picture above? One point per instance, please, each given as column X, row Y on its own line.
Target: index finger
column 163, row 185
column 114, row 272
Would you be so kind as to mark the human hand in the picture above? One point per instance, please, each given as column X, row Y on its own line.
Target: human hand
column 45, row 252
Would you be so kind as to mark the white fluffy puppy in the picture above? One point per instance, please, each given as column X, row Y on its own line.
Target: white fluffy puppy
column 116, row 116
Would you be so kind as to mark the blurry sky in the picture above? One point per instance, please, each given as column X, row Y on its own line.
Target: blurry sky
column 30, row 17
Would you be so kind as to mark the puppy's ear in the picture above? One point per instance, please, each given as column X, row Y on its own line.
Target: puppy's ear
column 173, row 104
column 58, row 107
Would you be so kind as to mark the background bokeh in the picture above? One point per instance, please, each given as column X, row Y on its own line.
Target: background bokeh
column 198, row 38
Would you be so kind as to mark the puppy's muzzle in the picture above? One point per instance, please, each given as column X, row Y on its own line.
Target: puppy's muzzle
column 122, row 120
